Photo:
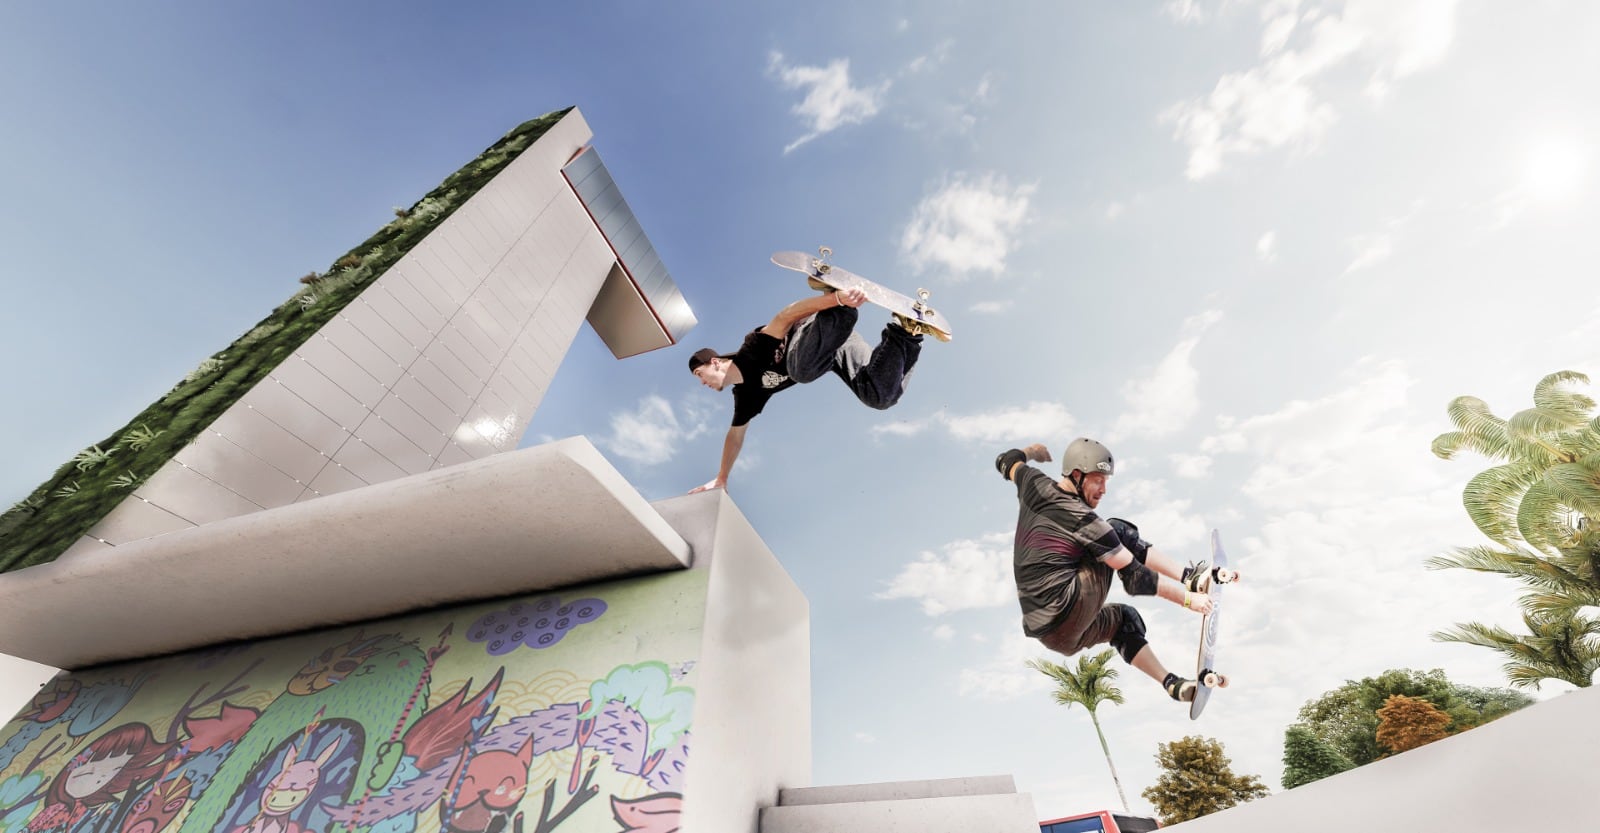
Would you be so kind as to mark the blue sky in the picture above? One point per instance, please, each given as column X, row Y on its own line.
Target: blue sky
column 1255, row 245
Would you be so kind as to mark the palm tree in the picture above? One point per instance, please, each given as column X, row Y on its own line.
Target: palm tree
column 1565, row 648
column 1552, row 463
column 1539, row 506
column 1089, row 685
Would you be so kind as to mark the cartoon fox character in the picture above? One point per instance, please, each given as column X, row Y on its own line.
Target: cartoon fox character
column 485, row 789
column 287, row 790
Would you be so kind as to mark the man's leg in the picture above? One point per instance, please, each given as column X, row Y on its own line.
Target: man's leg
column 815, row 342
column 878, row 375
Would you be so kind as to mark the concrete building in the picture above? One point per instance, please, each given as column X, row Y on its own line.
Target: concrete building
column 345, row 603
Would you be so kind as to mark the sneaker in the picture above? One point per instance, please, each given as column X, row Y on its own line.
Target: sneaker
column 819, row 286
column 1197, row 577
column 1179, row 688
column 916, row 328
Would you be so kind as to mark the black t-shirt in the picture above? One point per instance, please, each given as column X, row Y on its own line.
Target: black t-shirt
column 760, row 362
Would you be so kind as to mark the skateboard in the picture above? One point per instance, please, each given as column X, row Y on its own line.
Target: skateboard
column 1205, row 675
column 820, row 271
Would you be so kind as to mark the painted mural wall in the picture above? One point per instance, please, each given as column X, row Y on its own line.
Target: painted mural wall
column 566, row 711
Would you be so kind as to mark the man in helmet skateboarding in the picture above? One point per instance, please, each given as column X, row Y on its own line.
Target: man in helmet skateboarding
column 805, row 340
column 1066, row 558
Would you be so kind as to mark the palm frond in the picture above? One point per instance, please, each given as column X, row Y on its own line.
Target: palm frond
column 1540, row 422
column 1480, row 429
column 1491, row 499
column 1549, row 394
column 1447, row 444
column 1576, row 486
column 1541, row 518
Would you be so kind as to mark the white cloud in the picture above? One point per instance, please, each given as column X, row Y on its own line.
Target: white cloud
column 944, row 633
column 963, row 575
column 1167, row 521
column 866, row 737
column 967, row 226
column 1115, row 210
column 830, row 101
column 652, row 433
column 1190, row 466
column 1184, row 11
column 1164, row 401
column 1345, row 448
column 1046, row 422
column 990, row 307
column 1006, row 675
column 1376, row 247
column 1282, row 102
column 1267, row 247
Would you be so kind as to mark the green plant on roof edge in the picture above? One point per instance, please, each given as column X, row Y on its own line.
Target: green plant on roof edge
column 37, row 529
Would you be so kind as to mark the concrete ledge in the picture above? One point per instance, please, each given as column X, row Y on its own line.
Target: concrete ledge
column 1012, row 813
column 895, row 790
column 1531, row 770
column 518, row 522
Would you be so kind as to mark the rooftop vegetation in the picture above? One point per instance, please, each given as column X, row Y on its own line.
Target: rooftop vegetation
column 40, row 527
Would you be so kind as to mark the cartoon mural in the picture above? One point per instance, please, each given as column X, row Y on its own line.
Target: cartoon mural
column 382, row 728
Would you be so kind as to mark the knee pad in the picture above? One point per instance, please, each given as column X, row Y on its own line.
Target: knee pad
column 1129, row 639
column 1129, row 535
column 1138, row 579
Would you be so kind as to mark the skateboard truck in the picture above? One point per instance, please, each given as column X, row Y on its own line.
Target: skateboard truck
column 821, row 264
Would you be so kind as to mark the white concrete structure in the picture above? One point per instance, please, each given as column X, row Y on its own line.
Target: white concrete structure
column 1535, row 769
column 441, row 360
column 545, row 517
column 951, row 805
column 554, row 516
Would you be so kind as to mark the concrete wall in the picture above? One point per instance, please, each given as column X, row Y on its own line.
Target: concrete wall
column 443, row 359
column 1531, row 770
column 753, row 736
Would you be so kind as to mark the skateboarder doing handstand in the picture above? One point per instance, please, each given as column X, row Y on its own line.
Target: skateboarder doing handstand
column 803, row 341
column 1066, row 557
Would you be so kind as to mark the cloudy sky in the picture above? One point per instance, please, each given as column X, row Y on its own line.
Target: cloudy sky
column 1254, row 245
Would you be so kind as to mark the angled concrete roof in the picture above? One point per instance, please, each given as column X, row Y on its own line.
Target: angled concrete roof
column 517, row 522
column 1531, row 770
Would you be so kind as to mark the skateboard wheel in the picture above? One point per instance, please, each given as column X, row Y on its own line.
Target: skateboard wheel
column 824, row 251
column 923, row 294
column 1209, row 679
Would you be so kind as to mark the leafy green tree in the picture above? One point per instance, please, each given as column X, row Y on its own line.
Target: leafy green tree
column 1308, row 758
column 1088, row 685
column 1197, row 779
column 1405, row 723
column 1539, row 507
column 1347, row 717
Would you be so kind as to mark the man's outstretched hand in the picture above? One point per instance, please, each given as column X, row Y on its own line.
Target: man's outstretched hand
column 1037, row 453
column 855, row 296
column 714, row 483
column 1197, row 602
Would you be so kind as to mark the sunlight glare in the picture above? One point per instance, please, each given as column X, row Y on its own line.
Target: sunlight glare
column 1553, row 168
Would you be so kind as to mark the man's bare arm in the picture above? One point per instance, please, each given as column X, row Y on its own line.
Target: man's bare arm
column 730, row 452
column 1036, row 452
column 794, row 313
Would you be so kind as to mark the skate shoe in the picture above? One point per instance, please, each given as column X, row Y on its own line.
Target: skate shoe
column 1197, row 577
column 917, row 328
column 1179, row 688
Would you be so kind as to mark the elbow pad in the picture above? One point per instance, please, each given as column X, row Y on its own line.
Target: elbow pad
column 1138, row 579
column 1006, row 460
column 1129, row 535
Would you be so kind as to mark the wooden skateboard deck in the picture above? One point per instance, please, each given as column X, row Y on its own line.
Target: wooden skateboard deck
column 1206, row 661
column 820, row 270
